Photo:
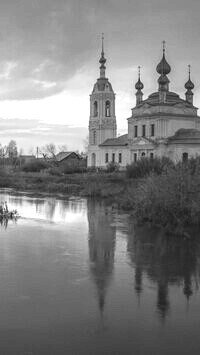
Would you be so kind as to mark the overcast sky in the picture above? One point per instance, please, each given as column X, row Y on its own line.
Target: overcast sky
column 49, row 52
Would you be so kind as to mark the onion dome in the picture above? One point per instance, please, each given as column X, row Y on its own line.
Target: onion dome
column 189, row 84
column 139, row 85
column 163, row 68
column 102, row 60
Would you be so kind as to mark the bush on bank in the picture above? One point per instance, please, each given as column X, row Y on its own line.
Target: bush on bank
column 171, row 200
column 35, row 166
column 145, row 166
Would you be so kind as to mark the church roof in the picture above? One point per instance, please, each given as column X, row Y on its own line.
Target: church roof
column 185, row 136
column 171, row 99
column 102, row 84
column 119, row 141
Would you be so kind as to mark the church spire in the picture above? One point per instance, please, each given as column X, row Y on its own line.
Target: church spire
column 139, row 86
column 163, row 68
column 189, row 87
column 102, row 60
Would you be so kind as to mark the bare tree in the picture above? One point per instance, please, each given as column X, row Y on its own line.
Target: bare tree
column 48, row 151
column 12, row 149
column 62, row 148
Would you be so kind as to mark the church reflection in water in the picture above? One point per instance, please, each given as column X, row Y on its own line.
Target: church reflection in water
column 101, row 240
column 165, row 261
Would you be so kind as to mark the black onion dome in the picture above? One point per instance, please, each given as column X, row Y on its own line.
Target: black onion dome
column 189, row 85
column 139, row 85
column 102, row 60
column 163, row 67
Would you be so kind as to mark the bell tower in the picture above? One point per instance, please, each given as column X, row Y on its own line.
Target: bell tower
column 102, row 123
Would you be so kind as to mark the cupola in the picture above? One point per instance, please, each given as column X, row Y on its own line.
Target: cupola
column 139, row 86
column 189, row 87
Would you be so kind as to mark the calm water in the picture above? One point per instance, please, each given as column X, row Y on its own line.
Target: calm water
column 78, row 278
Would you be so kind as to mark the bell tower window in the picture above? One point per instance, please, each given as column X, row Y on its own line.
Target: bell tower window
column 94, row 137
column 107, row 108
column 95, row 109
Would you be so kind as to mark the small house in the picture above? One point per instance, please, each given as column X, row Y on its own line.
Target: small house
column 71, row 160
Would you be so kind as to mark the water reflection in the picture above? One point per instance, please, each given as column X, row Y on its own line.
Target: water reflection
column 45, row 208
column 57, row 277
column 166, row 262
column 101, row 242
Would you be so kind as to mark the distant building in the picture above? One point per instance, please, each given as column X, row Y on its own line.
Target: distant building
column 161, row 125
column 69, row 159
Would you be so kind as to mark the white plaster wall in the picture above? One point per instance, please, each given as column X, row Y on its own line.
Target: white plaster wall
column 175, row 151
column 116, row 150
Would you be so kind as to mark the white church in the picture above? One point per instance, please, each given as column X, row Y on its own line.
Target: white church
column 161, row 125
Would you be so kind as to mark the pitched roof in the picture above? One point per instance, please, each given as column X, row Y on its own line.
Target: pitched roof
column 119, row 141
column 62, row 155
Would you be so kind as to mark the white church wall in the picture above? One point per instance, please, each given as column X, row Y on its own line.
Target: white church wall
column 175, row 151
column 125, row 156
column 175, row 124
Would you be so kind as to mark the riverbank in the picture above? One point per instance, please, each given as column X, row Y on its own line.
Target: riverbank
column 86, row 184
column 157, row 192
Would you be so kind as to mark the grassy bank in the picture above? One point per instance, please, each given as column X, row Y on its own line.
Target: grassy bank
column 89, row 184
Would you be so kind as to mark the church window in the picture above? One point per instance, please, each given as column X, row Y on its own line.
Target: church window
column 95, row 109
column 120, row 157
column 106, row 158
column 107, row 108
column 152, row 130
column 185, row 157
column 94, row 137
column 143, row 130
column 113, row 157
column 135, row 131
column 135, row 157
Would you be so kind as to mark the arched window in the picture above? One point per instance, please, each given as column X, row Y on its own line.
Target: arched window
column 143, row 154
column 95, row 109
column 107, row 108
column 94, row 137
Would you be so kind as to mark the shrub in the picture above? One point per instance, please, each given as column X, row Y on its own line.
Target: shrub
column 55, row 171
column 145, row 166
column 112, row 167
column 171, row 200
column 73, row 169
column 35, row 166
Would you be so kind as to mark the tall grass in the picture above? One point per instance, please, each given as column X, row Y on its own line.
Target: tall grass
column 143, row 167
column 171, row 200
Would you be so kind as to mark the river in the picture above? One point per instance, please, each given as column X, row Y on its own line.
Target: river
column 76, row 277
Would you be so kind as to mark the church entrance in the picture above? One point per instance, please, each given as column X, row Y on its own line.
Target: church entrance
column 93, row 159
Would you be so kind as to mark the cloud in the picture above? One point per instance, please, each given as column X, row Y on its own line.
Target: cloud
column 33, row 133
column 44, row 43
